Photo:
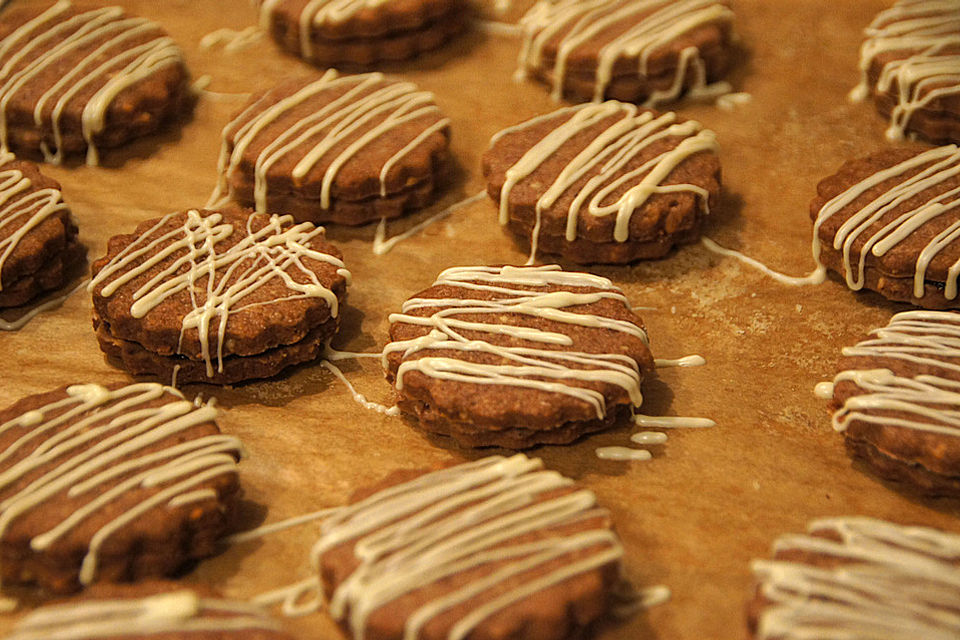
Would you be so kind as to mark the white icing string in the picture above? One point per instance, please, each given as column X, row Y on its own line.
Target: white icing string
column 499, row 28
column 653, row 24
column 105, row 61
column 357, row 396
column 878, row 230
column 283, row 525
column 892, row 583
column 730, row 101
column 524, row 366
column 450, row 521
column 627, row 135
column 317, row 13
column 369, row 108
column 622, row 454
column 382, row 245
column 673, row 422
column 52, row 303
column 922, row 40
column 817, row 276
column 176, row 612
column 686, row 361
column 231, row 39
column 927, row 401
column 105, row 453
column 276, row 251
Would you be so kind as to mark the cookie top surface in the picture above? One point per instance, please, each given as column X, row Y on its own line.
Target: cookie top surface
column 95, row 473
column 898, row 212
column 608, row 172
column 912, row 52
column 348, row 137
column 611, row 38
column 152, row 610
column 897, row 390
column 207, row 284
column 34, row 220
column 857, row 577
column 496, row 548
column 65, row 71
column 528, row 347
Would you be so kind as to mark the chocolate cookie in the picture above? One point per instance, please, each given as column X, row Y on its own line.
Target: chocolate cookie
column 110, row 484
column 857, row 577
column 218, row 297
column 645, row 51
column 345, row 33
column 607, row 183
column 73, row 81
column 517, row 356
column 345, row 149
column 910, row 65
column 38, row 240
column 151, row 610
column 890, row 222
column 895, row 400
column 497, row 548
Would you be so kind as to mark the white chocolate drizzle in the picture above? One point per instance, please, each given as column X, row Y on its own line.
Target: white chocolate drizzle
column 817, row 276
column 686, row 361
column 673, row 422
column 654, row 24
column 925, row 402
column 317, row 13
column 604, row 163
column 382, row 244
column 456, row 519
column 97, row 442
column 231, row 39
column 23, row 207
column 622, row 454
column 218, row 280
column 526, row 366
column 175, row 612
column 97, row 45
column 893, row 583
column 370, row 108
column 879, row 231
column 358, row 397
column 924, row 38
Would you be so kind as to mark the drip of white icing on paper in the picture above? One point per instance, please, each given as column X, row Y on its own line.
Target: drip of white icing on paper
column 231, row 39
column 110, row 432
column 686, row 361
column 929, row 31
column 730, row 101
column 493, row 27
column 283, row 525
column 111, row 67
column 382, row 244
column 622, row 454
column 891, row 582
column 357, row 396
column 654, row 23
column 673, row 422
column 52, row 303
column 817, row 276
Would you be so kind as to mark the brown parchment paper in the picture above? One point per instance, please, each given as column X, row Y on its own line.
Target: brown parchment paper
column 710, row 500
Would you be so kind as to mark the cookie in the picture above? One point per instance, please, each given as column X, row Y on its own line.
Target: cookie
column 895, row 400
column 497, row 548
column 349, row 34
column 517, row 356
column 857, row 577
column 344, row 149
column 644, row 51
column 217, row 296
column 889, row 223
column 38, row 239
column 74, row 81
column 910, row 66
column 110, row 484
column 603, row 183
column 151, row 610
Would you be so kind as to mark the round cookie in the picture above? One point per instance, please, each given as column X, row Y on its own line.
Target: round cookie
column 74, row 81
column 38, row 239
column 498, row 548
column 910, row 66
column 344, row 149
column 644, row 51
column 150, row 610
column 603, row 183
column 110, row 484
column 895, row 400
column 217, row 296
column 352, row 34
column 857, row 577
column 890, row 223
column 517, row 356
